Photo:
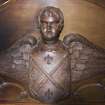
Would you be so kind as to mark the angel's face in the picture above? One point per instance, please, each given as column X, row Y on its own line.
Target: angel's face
column 49, row 28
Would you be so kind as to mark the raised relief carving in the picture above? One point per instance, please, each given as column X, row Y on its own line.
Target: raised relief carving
column 48, row 68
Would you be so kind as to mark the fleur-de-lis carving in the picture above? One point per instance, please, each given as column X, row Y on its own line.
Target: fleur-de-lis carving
column 49, row 94
column 48, row 59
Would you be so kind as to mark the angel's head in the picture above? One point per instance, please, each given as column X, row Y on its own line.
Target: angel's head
column 51, row 22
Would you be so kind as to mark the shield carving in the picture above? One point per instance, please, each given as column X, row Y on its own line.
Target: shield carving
column 49, row 76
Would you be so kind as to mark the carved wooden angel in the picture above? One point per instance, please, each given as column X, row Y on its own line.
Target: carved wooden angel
column 48, row 67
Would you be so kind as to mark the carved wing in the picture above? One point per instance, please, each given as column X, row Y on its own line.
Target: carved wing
column 87, row 59
column 14, row 61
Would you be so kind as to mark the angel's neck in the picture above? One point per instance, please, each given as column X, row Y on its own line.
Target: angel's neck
column 48, row 46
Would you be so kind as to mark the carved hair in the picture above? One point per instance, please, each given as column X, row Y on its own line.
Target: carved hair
column 53, row 12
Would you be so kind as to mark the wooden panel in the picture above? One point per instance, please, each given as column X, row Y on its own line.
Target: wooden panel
column 19, row 18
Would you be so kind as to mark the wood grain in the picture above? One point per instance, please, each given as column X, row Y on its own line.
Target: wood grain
column 20, row 18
